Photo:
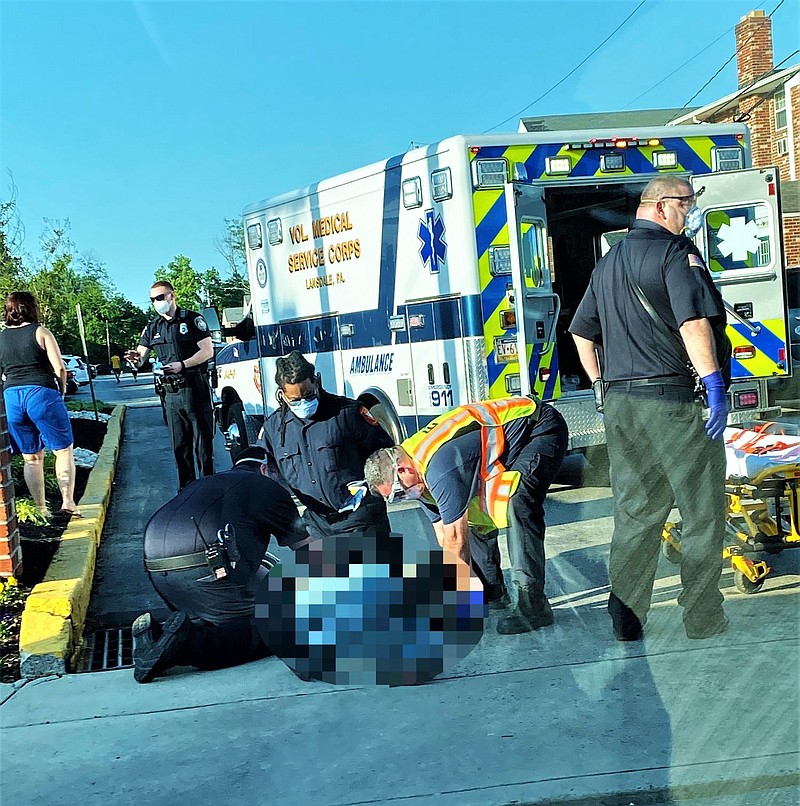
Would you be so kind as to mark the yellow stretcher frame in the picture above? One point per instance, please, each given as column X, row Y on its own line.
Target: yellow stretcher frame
column 761, row 516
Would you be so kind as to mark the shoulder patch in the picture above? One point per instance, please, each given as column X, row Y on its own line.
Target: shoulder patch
column 364, row 412
column 695, row 261
column 200, row 323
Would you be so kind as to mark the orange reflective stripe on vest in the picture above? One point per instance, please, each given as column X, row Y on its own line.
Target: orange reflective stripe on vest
column 496, row 484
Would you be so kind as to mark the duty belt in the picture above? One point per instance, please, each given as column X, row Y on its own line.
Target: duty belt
column 175, row 383
column 180, row 563
column 664, row 380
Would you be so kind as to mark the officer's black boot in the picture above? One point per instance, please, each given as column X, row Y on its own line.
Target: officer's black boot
column 531, row 612
column 146, row 631
column 168, row 651
column 496, row 596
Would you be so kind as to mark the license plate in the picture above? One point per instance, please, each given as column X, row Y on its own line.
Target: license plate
column 505, row 351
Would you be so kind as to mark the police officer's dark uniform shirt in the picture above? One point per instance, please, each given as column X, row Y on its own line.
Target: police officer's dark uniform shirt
column 187, row 395
column 453, row 473
column 670, row 271
column 176, row 339
column 320, row 455
column 256, row 506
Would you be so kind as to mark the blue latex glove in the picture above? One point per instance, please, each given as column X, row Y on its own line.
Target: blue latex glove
column 717, row 403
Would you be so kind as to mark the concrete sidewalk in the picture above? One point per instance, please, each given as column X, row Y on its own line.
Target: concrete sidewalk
column 562, row 715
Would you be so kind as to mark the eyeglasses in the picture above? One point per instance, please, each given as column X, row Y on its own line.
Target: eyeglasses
column 308, row 396
column 160, row 297
column 398, row 492
column 691, row 199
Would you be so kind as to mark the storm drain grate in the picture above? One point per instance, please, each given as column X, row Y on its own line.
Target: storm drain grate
column 108, row 649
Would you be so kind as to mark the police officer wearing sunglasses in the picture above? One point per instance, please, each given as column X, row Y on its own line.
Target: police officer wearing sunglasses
column 653, row 308
column 182, row 343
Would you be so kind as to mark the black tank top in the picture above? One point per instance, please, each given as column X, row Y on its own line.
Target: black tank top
column 23, row 361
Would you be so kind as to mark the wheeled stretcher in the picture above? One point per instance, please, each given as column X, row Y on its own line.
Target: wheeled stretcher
column 762, row 487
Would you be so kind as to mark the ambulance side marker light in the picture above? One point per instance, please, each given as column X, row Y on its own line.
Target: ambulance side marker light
column 665, row 159
column 747, row 351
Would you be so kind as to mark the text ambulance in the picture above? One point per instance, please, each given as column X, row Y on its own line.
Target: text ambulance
column 449, row 274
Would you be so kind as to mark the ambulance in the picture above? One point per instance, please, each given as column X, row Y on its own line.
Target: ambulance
column 450, row 274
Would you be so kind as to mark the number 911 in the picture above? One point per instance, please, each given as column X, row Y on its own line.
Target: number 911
column 441, row 398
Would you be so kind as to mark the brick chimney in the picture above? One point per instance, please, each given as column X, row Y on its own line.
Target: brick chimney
column 753, row 47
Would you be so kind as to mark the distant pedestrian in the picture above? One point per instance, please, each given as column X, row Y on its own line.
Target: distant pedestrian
column 116, row 366
column 134, row 370
column 33, row 390
column 182, row 342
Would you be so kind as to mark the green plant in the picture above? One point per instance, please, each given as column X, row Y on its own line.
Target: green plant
column 18, row 475
column 86, row 405
column 28, row 512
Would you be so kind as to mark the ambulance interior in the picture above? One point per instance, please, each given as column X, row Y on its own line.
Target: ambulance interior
column 583, row 223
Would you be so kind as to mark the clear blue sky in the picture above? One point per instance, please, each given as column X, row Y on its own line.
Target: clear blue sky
column 148, row 123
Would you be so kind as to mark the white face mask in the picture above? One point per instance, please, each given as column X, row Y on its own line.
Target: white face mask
column 693, row 222
column 304, row 408
column 162, row 306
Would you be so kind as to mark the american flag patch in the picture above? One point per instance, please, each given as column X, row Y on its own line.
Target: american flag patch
column 696, row 262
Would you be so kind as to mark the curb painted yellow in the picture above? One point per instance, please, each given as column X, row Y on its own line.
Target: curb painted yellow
column 55, row 611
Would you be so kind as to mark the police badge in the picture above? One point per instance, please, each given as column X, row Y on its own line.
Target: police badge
column 184, row 328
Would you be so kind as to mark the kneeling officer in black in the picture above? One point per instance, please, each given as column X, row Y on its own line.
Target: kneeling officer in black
column 212, row 592
column 183, row 345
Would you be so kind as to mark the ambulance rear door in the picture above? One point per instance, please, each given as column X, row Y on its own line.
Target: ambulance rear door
column 535, row 303
column 741, row 241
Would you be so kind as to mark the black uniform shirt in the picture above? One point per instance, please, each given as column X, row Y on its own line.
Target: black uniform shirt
column 318, row 456
column 670, row 271
column 176, row 339
column 256, row 506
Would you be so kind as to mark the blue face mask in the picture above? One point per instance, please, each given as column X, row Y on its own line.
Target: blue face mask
column 304, row 408
column 693, row 222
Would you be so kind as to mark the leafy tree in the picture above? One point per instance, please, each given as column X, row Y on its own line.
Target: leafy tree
column 224, row 293
column 230, row 244
column 187, row 283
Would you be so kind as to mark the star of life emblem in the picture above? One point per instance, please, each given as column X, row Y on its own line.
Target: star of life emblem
column 431, row 233
column 738, row 239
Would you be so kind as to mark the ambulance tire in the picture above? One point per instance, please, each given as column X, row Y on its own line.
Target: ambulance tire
column 388, row 419
column 237, row 430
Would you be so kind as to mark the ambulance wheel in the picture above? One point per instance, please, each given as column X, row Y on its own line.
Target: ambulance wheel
column 670, row 552
column 744, row 585
column 236, row 430
column 387, row 419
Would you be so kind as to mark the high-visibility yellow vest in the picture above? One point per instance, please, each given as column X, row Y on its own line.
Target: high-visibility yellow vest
column 488, row 510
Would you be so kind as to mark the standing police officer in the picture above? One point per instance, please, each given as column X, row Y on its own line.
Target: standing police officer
column 319, row 443
column 183, row 345
column 653, row 307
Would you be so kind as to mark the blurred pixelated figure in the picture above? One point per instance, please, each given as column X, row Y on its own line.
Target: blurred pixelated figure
column 368, row 609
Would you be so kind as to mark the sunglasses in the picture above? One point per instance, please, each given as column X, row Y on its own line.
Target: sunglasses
column 692, row 198
column 160, row 297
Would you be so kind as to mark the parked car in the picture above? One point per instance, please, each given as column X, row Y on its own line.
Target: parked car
column 75, row 363
column 101, row 369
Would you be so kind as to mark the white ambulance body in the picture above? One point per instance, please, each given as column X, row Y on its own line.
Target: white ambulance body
column 416, row 284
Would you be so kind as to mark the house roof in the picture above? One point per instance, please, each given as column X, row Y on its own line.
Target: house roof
column 765, row 86
column 595, row 120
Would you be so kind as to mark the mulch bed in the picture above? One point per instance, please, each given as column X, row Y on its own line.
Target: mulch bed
column 39, row 544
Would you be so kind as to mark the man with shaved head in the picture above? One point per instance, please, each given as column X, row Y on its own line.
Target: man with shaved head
column 652, row 322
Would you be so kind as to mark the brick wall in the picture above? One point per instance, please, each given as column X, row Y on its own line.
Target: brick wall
column 793, row 99
column 791, row 239
column 753, row 47
column 10, row 551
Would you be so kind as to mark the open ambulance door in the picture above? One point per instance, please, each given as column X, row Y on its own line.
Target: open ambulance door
column 536, row 305
column 742, row 245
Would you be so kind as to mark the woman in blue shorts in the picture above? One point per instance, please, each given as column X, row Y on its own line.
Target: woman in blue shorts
column 34, row 381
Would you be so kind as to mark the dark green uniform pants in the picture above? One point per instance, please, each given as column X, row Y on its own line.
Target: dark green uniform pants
column 190, row 419
column 661, row 457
